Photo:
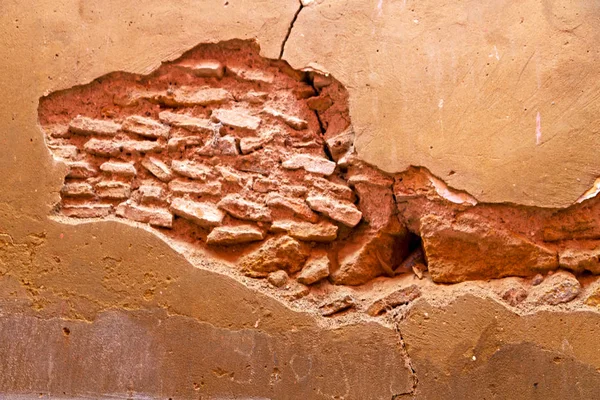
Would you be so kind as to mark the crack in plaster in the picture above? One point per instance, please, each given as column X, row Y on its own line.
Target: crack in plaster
column 289, row 31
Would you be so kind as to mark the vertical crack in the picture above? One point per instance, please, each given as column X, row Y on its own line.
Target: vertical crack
column 289, row 31
column 415, row 380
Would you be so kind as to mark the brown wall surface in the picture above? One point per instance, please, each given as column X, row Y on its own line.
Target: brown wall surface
column 111, row 310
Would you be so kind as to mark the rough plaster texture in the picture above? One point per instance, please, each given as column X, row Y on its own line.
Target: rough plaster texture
column 109, row 310
column 497, row 98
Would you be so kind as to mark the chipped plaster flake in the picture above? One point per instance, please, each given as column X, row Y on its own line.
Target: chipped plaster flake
column 450, row 194
column 591, row 192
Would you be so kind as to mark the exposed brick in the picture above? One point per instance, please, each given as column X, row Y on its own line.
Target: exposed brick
column 101, row 147
column 188, row 97
column 292, row 121
column 236, row 118
column 150, row 215
column 230, row 235
column 81, row 169
column 141, row 146
column 310, row 163
column 77, row 189
column 192, row 124
column 338, row 210
column 203, row 214
column 251, row 75
column 250, row 144
column 205, row 68
column 145, row 127
column 191, row 169
column 241, row 208
column 224, row 145
column 86, row 210
column 151, row 193
column 179, row 186
column 88, row 126
column 158, row 168
column 322, row 232
column 118, row 168
column 183, row 141
column 64, row 151
column 297, row 206
column 253, row 97
column 324, row 186
column 113, row 190
column 316, row 268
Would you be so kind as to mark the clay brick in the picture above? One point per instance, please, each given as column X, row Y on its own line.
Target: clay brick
column 113, row 190
column 179, row 186
column 145, row 127
column 292, row 121
column 158, row 168
column 189, row 97
column 77, row 189
column 297, row 206
column 205, row 68
column 150, row 215
column 187, row 122
column 150, row 193
column 191, row 169
column 327, row 187
column 236, row 118
column 86, row 210
column 118, row 168
column 100, row 147
column 230, row 235
column 88, row 126
column 141, row 146
column 338, row 210
column 81, row 169
column 310, row 163
column 204, row 214
column 241, row 208
column 305, row 231
column 64, row 151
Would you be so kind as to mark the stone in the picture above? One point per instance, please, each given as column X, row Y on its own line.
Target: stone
column 187, row 122
column 88, row 126
column 86, row 210
column 202, row 213
column 118, row 168
column 514, row 295
column 113, row 190
column 338, row 210
column 274, row 254
column 292, row 121
column 560, row 287
column 367, row 255
column 81, row 169
column 66, row 152
column 150, row 193
column 310, row 163
column 305, row 231
column 323, row 186
column 293, row 191
column 316, row 268
column 593, row 295
column 278, row 278
column 339, row 304
column 146, row 127
column 537, row 279
column 244, row 209
column 191, row 169
column 236, row 119
column 580, row 260
column 158, row 168
column 150, row 215
column 189, row 97
column 257, row 162
column 397, row 298
column 180, row 186
column 104, row 148
column 376, row 203
column 230, row 235
column 296, row 206
column 470, row 248
column 205, row 68
column 77, row 189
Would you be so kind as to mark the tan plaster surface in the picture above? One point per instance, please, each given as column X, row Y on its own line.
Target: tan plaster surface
column 496, row 98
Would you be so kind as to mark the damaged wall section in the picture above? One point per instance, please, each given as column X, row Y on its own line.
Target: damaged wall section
column 254, row 162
